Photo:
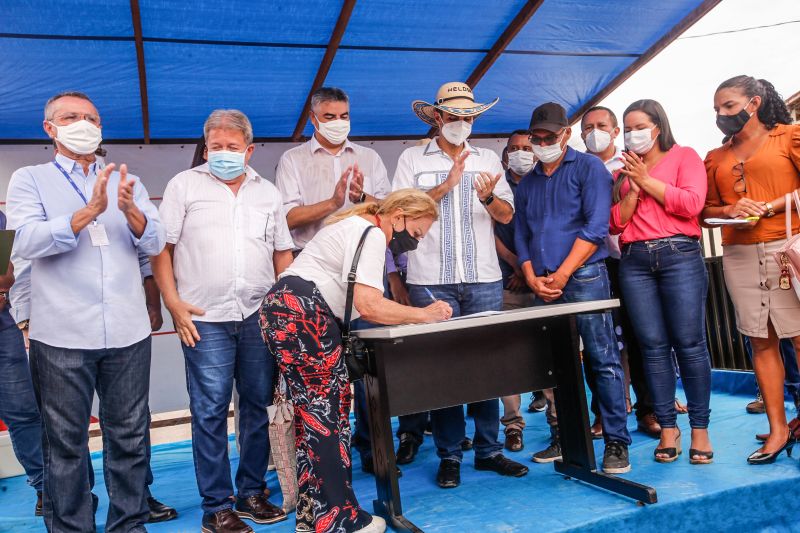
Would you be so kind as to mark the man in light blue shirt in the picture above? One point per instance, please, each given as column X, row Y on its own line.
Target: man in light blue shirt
column 89, row 328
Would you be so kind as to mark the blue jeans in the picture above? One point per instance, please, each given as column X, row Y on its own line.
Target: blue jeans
column 665, row 285
column 64, row 381
column 590, row 282
column 413, row 425
column 18, row 405
column 449, row 424
column 229, row 351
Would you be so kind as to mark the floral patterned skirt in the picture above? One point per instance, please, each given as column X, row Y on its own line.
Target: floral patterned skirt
column 306, row 339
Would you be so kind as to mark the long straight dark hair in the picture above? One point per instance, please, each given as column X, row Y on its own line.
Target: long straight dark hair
column 656, row 112
column 666, row 140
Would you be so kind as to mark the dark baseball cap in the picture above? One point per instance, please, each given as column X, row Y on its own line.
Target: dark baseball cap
column 550, row 116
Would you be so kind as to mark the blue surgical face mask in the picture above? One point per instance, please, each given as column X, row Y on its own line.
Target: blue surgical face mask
column 226, row 165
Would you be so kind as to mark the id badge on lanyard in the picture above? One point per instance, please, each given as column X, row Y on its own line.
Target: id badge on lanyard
column 97, row 232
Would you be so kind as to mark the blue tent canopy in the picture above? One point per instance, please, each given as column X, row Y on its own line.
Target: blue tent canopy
column 156, row 68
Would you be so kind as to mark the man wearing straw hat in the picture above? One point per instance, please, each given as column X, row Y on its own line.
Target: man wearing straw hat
column 457, row 263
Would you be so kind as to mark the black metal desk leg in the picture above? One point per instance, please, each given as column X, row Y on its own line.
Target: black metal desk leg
column 578, row 460
column 388, row 504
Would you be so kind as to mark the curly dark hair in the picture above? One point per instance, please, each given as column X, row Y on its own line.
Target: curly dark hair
column 772, row 110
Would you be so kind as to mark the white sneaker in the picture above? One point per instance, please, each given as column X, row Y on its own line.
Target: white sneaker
column 378, row 525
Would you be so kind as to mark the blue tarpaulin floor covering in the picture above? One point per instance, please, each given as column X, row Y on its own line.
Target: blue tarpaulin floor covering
column 724, row 496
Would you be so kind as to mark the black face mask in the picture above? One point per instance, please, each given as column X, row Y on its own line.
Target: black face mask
column 402, row 241
column 730, row 125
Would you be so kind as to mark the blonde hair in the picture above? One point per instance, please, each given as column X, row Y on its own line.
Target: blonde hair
column 411, row 202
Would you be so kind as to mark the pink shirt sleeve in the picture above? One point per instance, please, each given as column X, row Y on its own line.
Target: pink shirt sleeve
column 687, row 196
column 615, row 226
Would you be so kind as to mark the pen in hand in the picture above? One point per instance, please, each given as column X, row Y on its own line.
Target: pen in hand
column 448, row 310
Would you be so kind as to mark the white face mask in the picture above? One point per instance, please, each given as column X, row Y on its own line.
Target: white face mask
column 457, row 132
column 81, row 137
column 520, row 162
column 640, row 141
column 548, row 154
column 336, row 131
column 597, row 141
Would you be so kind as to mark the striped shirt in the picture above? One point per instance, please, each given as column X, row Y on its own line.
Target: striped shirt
column 459, row 248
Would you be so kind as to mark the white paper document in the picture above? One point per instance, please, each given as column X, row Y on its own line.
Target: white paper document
column 476, row 315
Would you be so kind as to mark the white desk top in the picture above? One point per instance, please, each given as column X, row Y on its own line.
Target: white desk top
column 501, row 317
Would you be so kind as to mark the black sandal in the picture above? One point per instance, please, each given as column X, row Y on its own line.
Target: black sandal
column 705, row 458
column 671, row 453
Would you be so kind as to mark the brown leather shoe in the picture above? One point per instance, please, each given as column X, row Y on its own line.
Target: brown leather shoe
column 259, row 509
column 597, row 429
column 37, row 511
column 514, row 440
column 224, row 521
column 649, row 425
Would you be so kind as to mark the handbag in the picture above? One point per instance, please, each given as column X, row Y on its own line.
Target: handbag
column 356, row 353
column 788, row 256
column 282, row 445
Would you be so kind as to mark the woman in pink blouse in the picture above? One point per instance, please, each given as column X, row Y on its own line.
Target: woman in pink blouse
column 663, row 278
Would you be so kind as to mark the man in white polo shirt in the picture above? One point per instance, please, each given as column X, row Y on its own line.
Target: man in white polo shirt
column 457, row 262
column 227, row 241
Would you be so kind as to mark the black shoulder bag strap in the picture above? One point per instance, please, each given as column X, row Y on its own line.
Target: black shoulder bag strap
column 351, row 285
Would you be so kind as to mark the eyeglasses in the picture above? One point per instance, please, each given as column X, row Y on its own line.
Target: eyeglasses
column 739, row 186
column 69, row 118
column 544, row 141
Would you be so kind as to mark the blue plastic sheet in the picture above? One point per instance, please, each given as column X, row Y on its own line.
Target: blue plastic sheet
column 187, row 81
column 259, row 21
column 262, row 57
column 31, row 71
column 727, row 495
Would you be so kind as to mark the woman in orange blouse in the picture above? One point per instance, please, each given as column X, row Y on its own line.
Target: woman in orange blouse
column 749, row 176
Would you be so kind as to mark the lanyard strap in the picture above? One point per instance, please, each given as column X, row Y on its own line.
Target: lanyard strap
column 66, row 175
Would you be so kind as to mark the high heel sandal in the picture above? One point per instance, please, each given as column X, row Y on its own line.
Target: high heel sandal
column 671, row 453
column 705, row 458
column 760, row 458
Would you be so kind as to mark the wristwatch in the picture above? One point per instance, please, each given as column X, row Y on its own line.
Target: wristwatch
column 362, row 198
column 488, row 200
column 770, row 210
column 24, row 325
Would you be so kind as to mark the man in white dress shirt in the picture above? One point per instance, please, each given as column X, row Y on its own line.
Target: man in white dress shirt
column 457, row 262
column 322, row 176
column 227, row 241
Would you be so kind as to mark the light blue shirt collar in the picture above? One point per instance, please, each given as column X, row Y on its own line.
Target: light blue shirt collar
column 69, row 164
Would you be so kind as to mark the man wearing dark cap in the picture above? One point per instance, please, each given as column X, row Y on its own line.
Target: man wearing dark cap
column 561, row 220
